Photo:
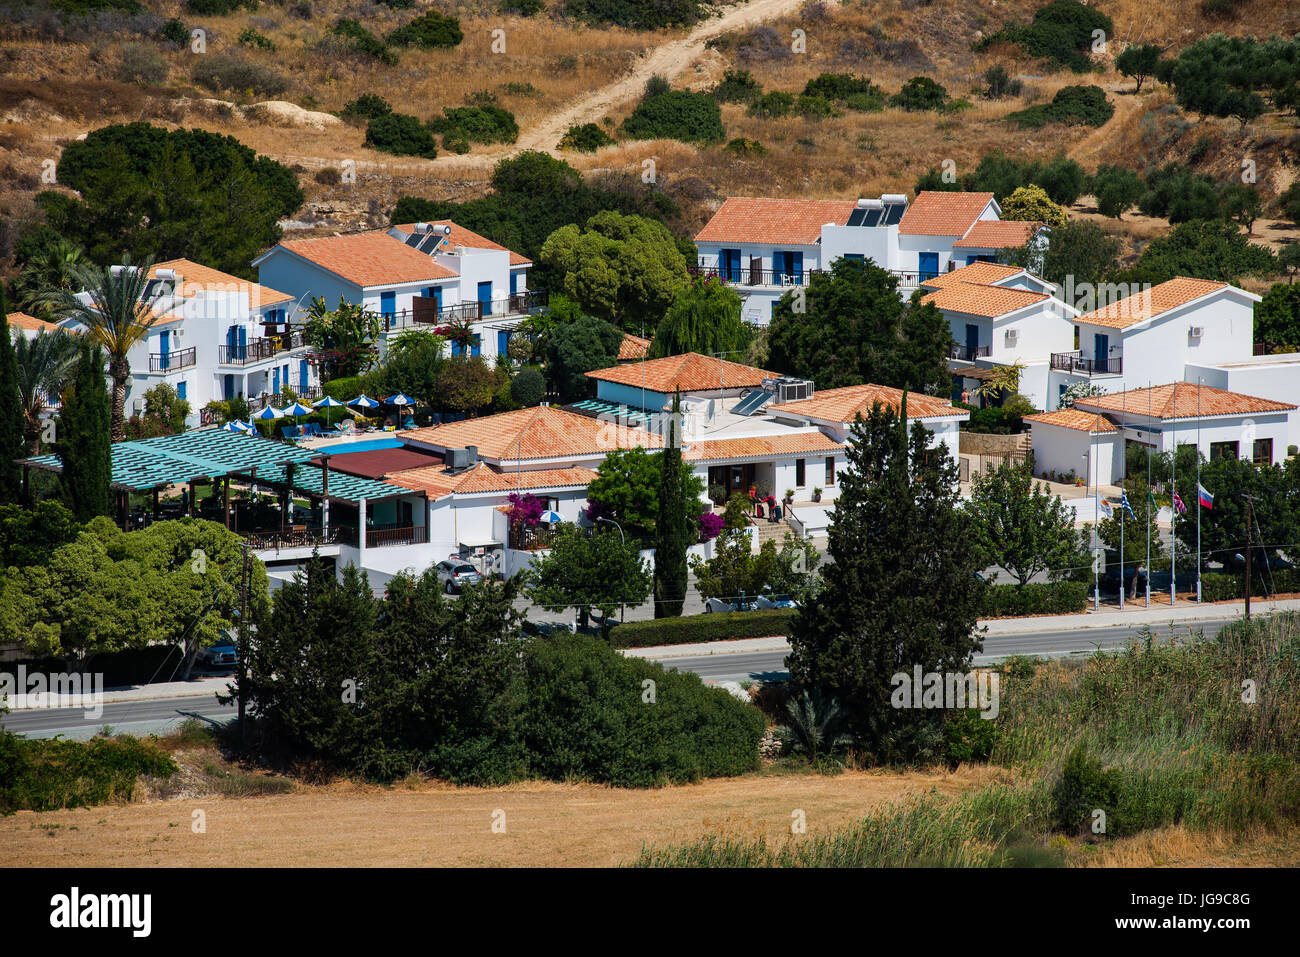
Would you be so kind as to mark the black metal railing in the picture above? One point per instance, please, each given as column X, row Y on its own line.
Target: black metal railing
column 300, row 536
column 255, row 350
column 1073, row 362
column 969, row 353
column 382, row 535
column 745, row 275
column 171, row 361
column 517, row 304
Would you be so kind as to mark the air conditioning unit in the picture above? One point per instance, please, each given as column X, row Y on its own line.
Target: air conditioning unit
column 1196, row 331
column 1013, row 335
column 792, row 390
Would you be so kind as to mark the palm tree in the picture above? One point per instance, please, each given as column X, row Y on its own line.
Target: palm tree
column 45, row 365
column 813, row 720
column 51, row 267
column 118, row 314
column 1003, row 381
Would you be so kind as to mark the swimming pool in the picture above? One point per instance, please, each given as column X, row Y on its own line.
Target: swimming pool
column 369, row 446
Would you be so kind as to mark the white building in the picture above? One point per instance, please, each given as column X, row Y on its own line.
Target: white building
column 21, row 324
column 215, row 336
column 999, row 316
column 429, row 275
column 1090, row 439
column 764, row 247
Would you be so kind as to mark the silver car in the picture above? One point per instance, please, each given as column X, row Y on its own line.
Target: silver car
column 455, row 575
column 734, row 604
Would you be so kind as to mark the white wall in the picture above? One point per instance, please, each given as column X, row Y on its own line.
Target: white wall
column 1061, row 451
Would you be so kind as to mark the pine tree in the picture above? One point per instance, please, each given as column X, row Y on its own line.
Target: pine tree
column 81, row 439
column 11, row 413
column 901, row 590
column 673, row 528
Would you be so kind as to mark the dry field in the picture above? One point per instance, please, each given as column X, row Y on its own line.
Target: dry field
column 546, row 824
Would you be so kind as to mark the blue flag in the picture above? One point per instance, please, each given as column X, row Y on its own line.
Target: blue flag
column 1123, row 501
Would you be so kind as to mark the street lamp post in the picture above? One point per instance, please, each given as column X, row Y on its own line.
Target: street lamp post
column 622, row 538
column 1096, row 529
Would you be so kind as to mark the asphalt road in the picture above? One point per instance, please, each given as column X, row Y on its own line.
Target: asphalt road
column 158, row 715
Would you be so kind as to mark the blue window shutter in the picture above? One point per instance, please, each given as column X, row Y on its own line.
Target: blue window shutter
column 302, row 375
column 477, row 345
column 388, row 304
column 514, row 283
column 503, row 342
column 180, row 389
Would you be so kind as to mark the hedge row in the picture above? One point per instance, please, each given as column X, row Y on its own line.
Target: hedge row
column 1054, row 598
column 696, row 628
column 1220, row 586
column 48, row 775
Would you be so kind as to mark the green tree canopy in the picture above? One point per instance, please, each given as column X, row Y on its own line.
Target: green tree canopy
column 855, row 329
column 621, row 268
column 1277, row 317
column 628, row 486
column 576, row 348
column 1021, row 527
column 589, row 570
column 703, row 318
column 900, row 590
column 82, row 441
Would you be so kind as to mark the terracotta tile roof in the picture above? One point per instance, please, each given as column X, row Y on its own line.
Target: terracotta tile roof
column 691, row 372
column 986, row 273
column 795, row 221
column 1158, row 299
column 435, row 482
column 978, row 299
column 1178, row 400
column 1076, row 419
column 460, row 236
column 843, row 405
column 196, row 277
column 998, row 234
column 795, row 443
column 20, row 320
column 632, row 347
column 369, row 259
column 937, row 213
column 537, row 433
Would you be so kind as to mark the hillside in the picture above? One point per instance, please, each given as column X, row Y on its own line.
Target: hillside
column 62, row 77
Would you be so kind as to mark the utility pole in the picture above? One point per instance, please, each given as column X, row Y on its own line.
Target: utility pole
column 1249, row 516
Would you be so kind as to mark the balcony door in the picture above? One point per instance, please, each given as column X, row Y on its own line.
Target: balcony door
column 729, row 264
column 164, row 349
column 972, row 340
column 1100, row 352
column 929, row 265
column 788, row 266
column 484, row 299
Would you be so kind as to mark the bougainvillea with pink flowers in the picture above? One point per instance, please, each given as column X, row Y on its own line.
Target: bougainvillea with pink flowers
column 710, row 526
column 526, row 509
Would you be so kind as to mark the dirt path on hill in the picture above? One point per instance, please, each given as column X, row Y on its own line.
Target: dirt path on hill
column 668, row 60
column 547, row 824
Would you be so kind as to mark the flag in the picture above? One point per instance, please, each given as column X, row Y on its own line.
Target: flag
column 1179, row 507
column 1151, row 501
column 1106, row 509
column 1205, row 499
column 1123, row 501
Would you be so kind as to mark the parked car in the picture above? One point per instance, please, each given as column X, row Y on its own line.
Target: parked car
column 767, row 601
column 723, row 604
column 222, row 655
column 455, row 575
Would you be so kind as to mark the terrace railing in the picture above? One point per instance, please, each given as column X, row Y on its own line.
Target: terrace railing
column 302, row 537
column 969, row 353
column 256, row 350
column 172, row 361
column 1075, row 363
column 746, row 275
column 427, row 313
column 382, row 536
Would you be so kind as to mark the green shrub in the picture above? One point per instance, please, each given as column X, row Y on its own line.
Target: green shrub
column 636, row 14
column 969, row 737
column 219, row 8
column 1222, row 586
column 528, row 386
column 586, row 716
column 772, row 105
column 432, row 30
column 476, row 124
column 717, row 626
column 854, row 92
column 366, row 106
column 1061, row 32
column 175, row 31
column 400, row 135
column 48, row 774
column 1085, row 787
column 1001, row 83
column 248, row 37
column 359, row 39
column 918, row 94
column 524, row 8
column 737, row 86
column 342, row 389
column 677, row 115
column 222, row 72
column 585, row 138
column 815, row 107
column 1035, row 598
column 742, row 146
column 993, row 420
column 1075, row 105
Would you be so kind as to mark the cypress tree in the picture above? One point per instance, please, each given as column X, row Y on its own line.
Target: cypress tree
column 900, row 590
column 672, row 528
column 81, row 439
column 11, row 414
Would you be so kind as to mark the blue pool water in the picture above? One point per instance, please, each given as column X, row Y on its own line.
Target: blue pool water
column 340, row 448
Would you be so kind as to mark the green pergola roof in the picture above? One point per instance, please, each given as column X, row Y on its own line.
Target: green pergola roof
column 215, row 453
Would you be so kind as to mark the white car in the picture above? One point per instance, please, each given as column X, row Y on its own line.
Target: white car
column 722, row 604
column 768, row 601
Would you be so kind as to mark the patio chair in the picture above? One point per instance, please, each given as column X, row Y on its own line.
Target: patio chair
column 408, row 422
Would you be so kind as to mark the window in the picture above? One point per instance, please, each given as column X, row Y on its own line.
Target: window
column 1262, row 453
column 1223, row 450
column 800, row 479
column 830, row 470
column 388, row 304
column 514, row 284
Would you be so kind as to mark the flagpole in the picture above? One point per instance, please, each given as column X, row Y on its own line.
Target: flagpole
column 1173, row 511
column 1198, row 488
column 1148, row 582
column 1123, row 496
column 1096, row 527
